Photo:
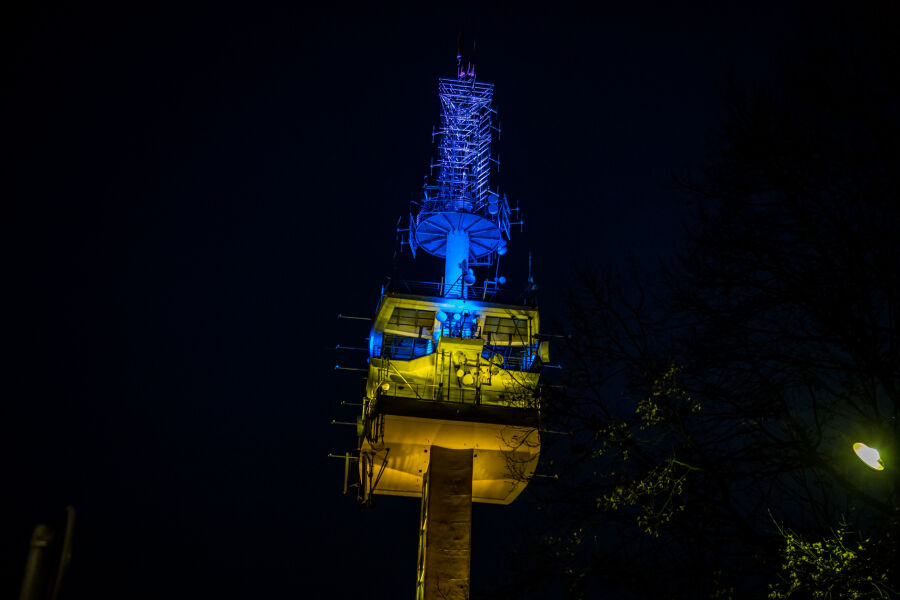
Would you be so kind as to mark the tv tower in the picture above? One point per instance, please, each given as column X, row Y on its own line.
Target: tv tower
column 451, row 409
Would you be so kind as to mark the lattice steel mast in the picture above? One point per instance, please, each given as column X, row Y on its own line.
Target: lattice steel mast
column 461, row 219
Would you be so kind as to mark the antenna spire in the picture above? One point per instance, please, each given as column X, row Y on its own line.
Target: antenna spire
column 461, row 218
column 462, row 71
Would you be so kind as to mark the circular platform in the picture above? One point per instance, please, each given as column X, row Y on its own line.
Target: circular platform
column 432, row 228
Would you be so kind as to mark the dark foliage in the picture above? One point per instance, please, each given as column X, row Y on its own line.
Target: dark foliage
column 710, row 412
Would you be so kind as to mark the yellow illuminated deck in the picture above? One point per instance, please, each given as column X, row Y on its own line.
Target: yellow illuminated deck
column 454, row 374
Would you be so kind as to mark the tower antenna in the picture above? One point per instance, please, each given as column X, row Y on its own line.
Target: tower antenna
column 461, row 219
column 452, row 403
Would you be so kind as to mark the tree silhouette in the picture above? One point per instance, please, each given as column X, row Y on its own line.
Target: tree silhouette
column 711, row 411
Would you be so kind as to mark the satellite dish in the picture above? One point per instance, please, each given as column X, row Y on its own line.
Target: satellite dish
column 468, row 379
column 497, row 359
column 460, row 373
column 544, row 351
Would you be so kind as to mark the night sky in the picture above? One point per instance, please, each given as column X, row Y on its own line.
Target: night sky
column 190, row 198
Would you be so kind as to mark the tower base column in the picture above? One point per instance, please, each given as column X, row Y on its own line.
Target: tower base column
column 445, row 531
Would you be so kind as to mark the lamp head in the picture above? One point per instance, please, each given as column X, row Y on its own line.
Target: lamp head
column 870, row 456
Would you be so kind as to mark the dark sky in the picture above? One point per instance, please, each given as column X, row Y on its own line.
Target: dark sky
column 191, row 196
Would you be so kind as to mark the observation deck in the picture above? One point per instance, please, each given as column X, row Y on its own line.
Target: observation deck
column 454, row 373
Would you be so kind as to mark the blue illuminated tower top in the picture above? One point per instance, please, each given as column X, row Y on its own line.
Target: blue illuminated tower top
column 460, row 218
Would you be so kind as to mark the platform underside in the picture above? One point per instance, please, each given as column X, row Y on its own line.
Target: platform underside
column 504, row 457
column 432, row 229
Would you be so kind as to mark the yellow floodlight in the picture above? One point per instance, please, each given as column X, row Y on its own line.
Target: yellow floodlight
column 870, row 456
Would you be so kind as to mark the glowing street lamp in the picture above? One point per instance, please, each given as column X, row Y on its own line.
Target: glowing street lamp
column 870, row 456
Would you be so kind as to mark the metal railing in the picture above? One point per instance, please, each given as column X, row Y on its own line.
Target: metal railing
column 489, row 291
